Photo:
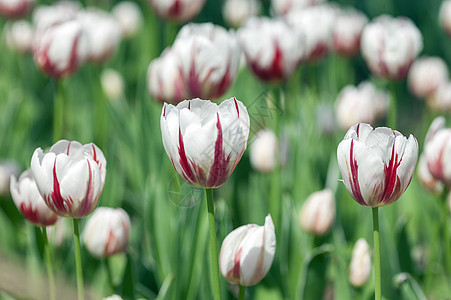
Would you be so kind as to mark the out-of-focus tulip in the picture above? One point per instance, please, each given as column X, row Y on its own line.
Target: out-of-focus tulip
column 177, row 10
column 19, row 36
column 264, row 154
column 325, row 119
column 103, row 33
column 390, row 45
column 113, row 297
column 247, row 253
column 236, row 12
column 440, row 99
column 7, row 169
column 438, row 150
column 426, row 75
column 209, row 57
column 70, row 177
column 112, row 84
column 316, row 23
column 129, row 16
column 445, row 16
column 361, row 104
column 376, row 165
column 60, row 49
column 273, row 50
column 165, row 81
column 57, row 232
column 29, row 202
column 318, row 212
column 282, row 7
column 107, row 232
column 45, row 16
column 203, row 140
column 347, row 30
column 15, row 8
column 426, row 179
column 360, row 266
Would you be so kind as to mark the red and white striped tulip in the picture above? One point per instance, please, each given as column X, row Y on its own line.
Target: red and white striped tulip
column 70, row 177
column 347, row 30
column 107, row 232
column 438, row 150
column 29, row 201
column 177, row 10
column 429, row 182
column 247, row 253
column 376, row 165
column 15, row 8
column 426, row 75
column 203, row 140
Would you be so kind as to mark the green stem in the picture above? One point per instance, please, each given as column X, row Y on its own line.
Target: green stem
column 48, row 263
column 213, row 246
column 109, row 274
column 58, row 111
column 100, row 109
column 446, row 233
column 242, row 290
column 391, row 120
column 377, row 255
column 78, row 265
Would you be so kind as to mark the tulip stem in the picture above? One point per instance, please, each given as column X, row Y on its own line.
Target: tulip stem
column 377, row 255
column 446, row 233
column 48, row 263
column 109, row 274
column 78, row 265
column 392, row 112
column 213, row 246
column 242, row 290
column 58, row 111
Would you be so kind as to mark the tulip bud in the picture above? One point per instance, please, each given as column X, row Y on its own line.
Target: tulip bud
column 19, row 36
column 426, row 75
column 15, row 8
column 318, row 212
column 7, row 169
column 440, row 99
column 445, row 16
column 203, row 140
column 236, row 12
column 29, row 202
column 107, row 232
column 426, row 179
column 282, row 7
column 376, row 165
column 347, row 30
column 177, row 10
column 247, row 253
column 129, row 16
column 360, row 267
column 438, row 150
column 70, row 177
column 264, row 151
column 112, row 84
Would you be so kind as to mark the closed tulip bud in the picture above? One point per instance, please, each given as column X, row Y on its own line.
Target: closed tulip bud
column 360, row 104
column 236, row 12
column 347, row 30
column 165, row 82
column 129, row 16
column 264, row 154
column 7, row 169
column 445, row 16
column 107, row 232
column 19, row 36
column 29, row 201
column 316, row 23
column 61, row 49
column 272, row 49
column 390, row 45
column 15, row 8
column 282, row 7
column 112, row 84
column 440, row 99
column 426, row 179
column 438, row 150
column 70, row 177
column 177, row 10
column 360, row 267
column 209, row 57
column 247, row 253
column 376, row 165
column 426, row 75
column 318, row 212
column 203, row 140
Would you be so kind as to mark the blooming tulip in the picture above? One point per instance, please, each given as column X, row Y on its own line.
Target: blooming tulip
column 247, row 253
column 236, row 12
column 205, row 141
column 177, row 10
column 19, row 36
column 70, row 177
column 264, row 151
column 360, row 266
column 7, row 169
column 107, row 231
column 129, row 16
column 376, row 165
column 15, row 8
column 29, row 201
column 318, row 212
column 426, row 75
column 440, row 99
column 272, row 49
column 438, row 150
column 445, row 15
column 425, row 177
column 347, row 30
column 390, row 45
column 282, row 7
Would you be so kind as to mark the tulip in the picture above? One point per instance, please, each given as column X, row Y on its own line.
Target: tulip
column 177, row 10
column 7, row 169
column 426, row 179
column 445, row 16
column 440, row 99
column 247, row 253
column 236, row 12
column 113, row 297
column 264, row 151
column 272, row 49
column 15, row 8
column 29, row 201
column 363, row 103
column 70, row 177
column 376, row 165
column 360, row 266
column 209, row 57
column 19, row 36
column 47, row 16
column 390, row 45
column 282, row 7
column 426, row 75
column 438, row 150
column 205, row 141
column 112, row 84
column 107, row 232
column 347, row 30
column 57, row 232
column 318, row 212
column 129, row 16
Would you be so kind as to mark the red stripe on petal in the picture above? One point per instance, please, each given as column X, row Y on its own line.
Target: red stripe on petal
column 55, row 200
column 236, row 265
column 86, row 203
column 354, row 177
column 68, row 148
column 236, row 106
column 218, row 171
column 184, row 161
column 392, row 182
